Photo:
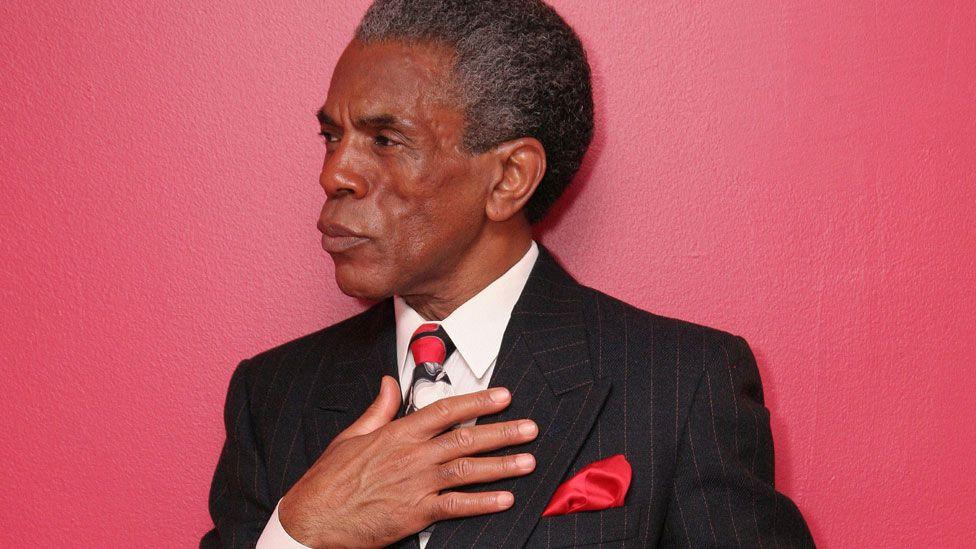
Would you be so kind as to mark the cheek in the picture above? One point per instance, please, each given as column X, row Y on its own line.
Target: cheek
column 425, row 211
column 399, row 224
column 413, row 231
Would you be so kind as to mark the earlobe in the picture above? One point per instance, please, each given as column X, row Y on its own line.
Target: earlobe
column 521, row 165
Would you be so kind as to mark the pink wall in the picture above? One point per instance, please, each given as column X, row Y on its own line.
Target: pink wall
column 801, row 173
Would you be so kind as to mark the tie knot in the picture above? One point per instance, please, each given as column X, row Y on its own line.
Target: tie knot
column 430, row 343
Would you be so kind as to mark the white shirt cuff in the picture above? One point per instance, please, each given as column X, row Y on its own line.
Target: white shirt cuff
column 274, row 535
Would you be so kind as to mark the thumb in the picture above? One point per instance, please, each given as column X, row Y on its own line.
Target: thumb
column 382, row 411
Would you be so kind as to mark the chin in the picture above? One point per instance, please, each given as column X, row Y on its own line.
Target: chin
column 359, row 284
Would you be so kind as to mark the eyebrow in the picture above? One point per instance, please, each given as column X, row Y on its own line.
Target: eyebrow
column 324, row 119
column 372, row 121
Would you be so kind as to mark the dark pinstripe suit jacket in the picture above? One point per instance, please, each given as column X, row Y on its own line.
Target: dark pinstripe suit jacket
column 683, row 402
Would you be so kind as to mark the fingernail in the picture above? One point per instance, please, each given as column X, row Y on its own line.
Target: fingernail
column 527, row 427
column 524, row 461
column 505, row 500
column 499, row 394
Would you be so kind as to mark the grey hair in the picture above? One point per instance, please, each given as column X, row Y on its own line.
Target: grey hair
column 521, row 71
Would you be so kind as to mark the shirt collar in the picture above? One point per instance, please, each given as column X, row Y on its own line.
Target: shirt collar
column 477, row 326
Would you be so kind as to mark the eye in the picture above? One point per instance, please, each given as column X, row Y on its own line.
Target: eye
column 384, row 141
column 328, row 137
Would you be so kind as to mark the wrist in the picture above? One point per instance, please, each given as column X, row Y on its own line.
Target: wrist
column 293, row 525
column 317, row 533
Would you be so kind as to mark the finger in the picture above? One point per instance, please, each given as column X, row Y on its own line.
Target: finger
column 464, row 504
column 380, row 412
column 476, row 439
column 471, row 470
column 437, row 417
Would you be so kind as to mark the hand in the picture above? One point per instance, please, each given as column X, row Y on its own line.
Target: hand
column 379, row 480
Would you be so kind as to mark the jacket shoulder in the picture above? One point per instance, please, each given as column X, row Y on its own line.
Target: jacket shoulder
column 608, row 308
column 673, row 351
column 664, row 351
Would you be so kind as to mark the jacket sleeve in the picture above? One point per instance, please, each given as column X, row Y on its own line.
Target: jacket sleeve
column 723, row 493
column 239, row 502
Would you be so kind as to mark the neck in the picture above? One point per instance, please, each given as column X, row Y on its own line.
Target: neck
column 481, row 265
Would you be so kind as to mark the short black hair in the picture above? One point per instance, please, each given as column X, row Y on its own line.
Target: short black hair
column 521, row 69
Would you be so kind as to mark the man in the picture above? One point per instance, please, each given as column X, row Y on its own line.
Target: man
column 451, row 127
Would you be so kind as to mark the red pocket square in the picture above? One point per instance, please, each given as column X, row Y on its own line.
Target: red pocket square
column 600, row 485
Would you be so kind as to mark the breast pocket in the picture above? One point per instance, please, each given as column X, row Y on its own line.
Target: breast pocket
column 585, row 528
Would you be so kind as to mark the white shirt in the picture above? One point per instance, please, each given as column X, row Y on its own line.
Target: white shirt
column 476, row 328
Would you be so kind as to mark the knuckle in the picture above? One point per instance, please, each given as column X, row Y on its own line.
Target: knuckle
column 455, row 472
column 388, row 435
column 463, row 438
column 463, row 468
column 441, row 409
column 444, row 442
column 452, row 505
column 430, row 514
column 447, row 473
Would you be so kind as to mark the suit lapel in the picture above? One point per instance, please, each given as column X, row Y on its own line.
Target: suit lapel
column 346, row 387
column 544, row 362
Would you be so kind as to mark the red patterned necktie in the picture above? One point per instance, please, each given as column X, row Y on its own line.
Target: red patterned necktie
column 430, row 346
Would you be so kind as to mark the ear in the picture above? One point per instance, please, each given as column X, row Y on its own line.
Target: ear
column 517, row 167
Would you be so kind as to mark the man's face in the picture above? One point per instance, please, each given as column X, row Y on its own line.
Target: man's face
column 395, row 171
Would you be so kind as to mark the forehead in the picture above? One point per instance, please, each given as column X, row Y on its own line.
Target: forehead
column 392, row 77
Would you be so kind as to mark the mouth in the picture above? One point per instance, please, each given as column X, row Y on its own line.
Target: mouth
column 337, row 238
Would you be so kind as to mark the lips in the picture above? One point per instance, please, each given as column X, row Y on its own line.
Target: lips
column 338, row 238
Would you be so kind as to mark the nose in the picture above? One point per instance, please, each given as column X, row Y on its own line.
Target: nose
column 342, row 173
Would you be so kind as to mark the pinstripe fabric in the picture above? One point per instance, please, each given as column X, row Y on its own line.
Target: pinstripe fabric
column 682, row 401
